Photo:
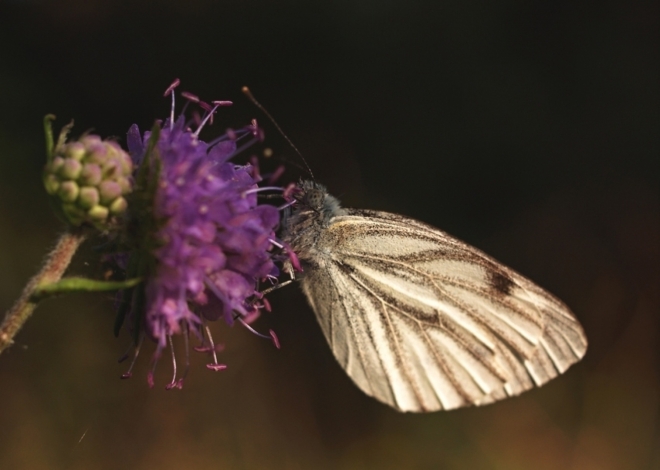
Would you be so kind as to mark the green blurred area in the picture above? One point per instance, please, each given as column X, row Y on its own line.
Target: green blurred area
column 529, row 129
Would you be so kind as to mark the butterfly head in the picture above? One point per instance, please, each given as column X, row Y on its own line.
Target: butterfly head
column 310, row 214
column 315, row 197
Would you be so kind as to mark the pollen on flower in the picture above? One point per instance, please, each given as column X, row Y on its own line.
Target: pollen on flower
column 197, row 234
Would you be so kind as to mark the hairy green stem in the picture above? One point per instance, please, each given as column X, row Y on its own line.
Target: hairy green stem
column 54, row 266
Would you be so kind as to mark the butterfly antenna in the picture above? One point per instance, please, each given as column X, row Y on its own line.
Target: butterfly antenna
column 246, row 91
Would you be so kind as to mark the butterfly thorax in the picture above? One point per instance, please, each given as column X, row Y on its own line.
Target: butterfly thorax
column 309, row 216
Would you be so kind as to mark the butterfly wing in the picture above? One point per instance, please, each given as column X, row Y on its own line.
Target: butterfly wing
column 422, row 321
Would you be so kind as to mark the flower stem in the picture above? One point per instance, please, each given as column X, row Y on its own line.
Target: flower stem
column 55, row 265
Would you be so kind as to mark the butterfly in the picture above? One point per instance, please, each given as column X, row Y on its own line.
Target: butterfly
column 418, row 319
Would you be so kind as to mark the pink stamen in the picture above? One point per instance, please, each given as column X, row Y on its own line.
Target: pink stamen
column 276, row 174
column 178, row 384
column 190, row 97
column 262, row 188
column 172, row 86
column 215, row 356
column 170, row 90
column 129, row 373
column 217, row 347
column 284, row 206
column 252, row 316
column 209, row 115
column 150, row 378
column 254, row 162
column 295, row 262
column 205, row 106
column 216, row 367
column 289, row 191
column 276, row 243
column 276, row 340
column 271, row 337
column 222, row 103
column 152, row 372
column 293, row 258
column 124, row 356
column 173, row 383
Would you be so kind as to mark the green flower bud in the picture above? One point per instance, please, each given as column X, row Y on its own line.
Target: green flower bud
column 75, row 150
column 91, row 174
column 56, row 165
column 71, row 169
column 98, row 213
column 88, row 180
column 69, row 191
column 118, row 206
column 52, row 184
column 89, row 197
column 109, row 191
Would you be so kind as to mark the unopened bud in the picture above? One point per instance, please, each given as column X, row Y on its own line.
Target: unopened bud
column 90, row 178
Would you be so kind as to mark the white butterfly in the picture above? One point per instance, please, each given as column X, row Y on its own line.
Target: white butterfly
column 418, row 319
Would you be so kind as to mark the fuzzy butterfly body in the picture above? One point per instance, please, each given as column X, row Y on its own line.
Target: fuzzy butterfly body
column 418, row 319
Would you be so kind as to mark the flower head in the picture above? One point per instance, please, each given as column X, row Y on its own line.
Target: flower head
column 89, row 179
column 200, row 239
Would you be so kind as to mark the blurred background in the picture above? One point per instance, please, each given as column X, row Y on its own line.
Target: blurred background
column 528, row 129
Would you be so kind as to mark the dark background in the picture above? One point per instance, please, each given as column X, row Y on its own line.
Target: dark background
column 529, row 129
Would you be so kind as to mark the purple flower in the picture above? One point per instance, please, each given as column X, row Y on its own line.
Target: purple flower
column 200, row 239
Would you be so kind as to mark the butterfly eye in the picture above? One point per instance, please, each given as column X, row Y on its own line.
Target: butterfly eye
column 315, row 199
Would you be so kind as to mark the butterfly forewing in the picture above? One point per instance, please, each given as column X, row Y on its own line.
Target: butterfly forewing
column 422, row 321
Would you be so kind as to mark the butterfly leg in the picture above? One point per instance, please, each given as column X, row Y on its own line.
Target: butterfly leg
column 275, row 287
